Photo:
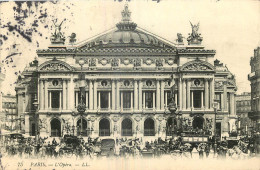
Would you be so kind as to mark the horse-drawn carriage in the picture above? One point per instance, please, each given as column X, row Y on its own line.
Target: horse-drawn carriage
column 69, row 147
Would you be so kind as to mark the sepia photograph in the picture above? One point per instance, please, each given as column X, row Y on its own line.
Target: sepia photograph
column 130, row 84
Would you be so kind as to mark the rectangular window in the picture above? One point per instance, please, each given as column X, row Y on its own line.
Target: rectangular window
column 148, row 99
column 218, row 100
column 104, row 100
column 126, row 99
column 197, row 99
column 55, row 99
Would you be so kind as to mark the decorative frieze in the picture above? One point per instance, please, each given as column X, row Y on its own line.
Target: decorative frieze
column 126, row 61
column 104, row 61
column 148, row 61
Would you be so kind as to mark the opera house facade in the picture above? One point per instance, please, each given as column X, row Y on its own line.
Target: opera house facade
column 127, row 82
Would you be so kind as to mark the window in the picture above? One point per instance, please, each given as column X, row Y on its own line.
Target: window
column 197, row 99
column 149, row 129
column 126, row 127
column 126, row 99
column 218, row 100
column 55, row 99
column 148, row 99
column 104, row 127
column 104, row 99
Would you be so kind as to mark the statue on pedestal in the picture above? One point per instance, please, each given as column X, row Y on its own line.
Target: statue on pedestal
column 57, row 37
column 194, row 37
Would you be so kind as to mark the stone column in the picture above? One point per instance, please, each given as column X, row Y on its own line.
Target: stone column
column 225, row 96
column 109, row 100
column 131, row 100
column 176, row 98
column 202, row 99
column 46, row 94
column 64, row 94
column 206, row 94
column 162, row 94
column 154, row 100
column 140, row 93
column 87, row 105
column 135, row 96
column 41, row 95
column 212, row 93
column 117, row 95
column 165, row 99
column 71, row 92
column 122, row 101
column 95, row 94
column 158, row 94
column 232, row 104
column 90, row 95
column 180, row 93
column 188, row 93
column 184, row 94
column 99, row 104
column 77, row 99
column 144, row 100
column 192, row 99
column 60, row 105
column 49, row 100
column 113, row 95
column 222, row 101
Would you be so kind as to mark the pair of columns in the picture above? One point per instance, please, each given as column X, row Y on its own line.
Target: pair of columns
column 45, row 95
column 186, row 96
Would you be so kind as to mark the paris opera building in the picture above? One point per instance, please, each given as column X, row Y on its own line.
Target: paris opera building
column 127, row 82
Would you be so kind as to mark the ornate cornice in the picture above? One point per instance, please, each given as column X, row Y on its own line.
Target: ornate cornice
column 197, row 66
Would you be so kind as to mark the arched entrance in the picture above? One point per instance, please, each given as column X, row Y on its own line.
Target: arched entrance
column 149, row 129
column 82, row 130
column 104, row 127
column 198, row 122
column 55, row 128
column 126, row 127
column 171, row 126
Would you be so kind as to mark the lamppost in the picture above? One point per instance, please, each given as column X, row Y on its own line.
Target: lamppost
column 81, row 106
column 35, row 104
column 215, row 106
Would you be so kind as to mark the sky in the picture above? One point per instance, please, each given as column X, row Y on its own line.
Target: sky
column 231, row 27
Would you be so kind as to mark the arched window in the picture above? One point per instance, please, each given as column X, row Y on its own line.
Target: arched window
column 198, row 123
column 82, row 130
column 104, row 127
column 55, row 128
column 149, row 127
column 127, row 127
column 171, row 126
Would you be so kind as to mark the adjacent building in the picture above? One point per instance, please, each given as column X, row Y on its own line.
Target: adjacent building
column 2, row 77
column 127, row 79
column 243, row 107
column 254, row 78
column 10, row 113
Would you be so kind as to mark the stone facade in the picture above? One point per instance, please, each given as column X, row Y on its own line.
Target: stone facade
column 243, row 107
column 10, row 113
column 2, row 77
column 129, row 75
column 254, row 78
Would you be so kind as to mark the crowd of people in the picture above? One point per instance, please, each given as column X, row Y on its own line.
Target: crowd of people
column 68, row 146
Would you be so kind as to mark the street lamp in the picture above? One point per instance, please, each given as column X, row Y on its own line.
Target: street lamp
column 35, row 104
column 215, row 106
column 81, row 106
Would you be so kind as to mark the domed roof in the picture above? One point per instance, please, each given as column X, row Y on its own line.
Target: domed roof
column 127, row 34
